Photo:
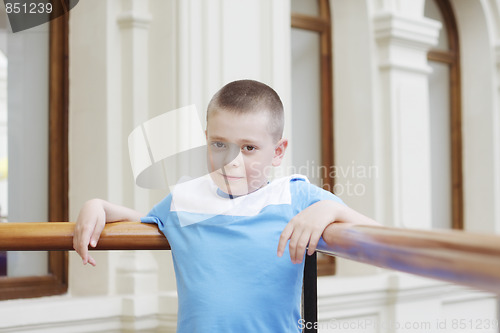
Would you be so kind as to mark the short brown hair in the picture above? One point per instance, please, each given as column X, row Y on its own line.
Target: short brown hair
column 245, row 96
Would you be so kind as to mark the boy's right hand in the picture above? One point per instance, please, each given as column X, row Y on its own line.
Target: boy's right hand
column 91, row 221
column 89, row 226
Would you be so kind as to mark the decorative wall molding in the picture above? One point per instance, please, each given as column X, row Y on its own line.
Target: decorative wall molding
column 366, row 301
column 404, row 136
column 66, row 314
column 403, row 41
column 377, row 303
column 131, row 20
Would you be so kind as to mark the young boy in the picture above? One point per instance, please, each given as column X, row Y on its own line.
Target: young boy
column 228, row 231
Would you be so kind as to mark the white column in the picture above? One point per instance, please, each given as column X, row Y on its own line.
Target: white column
column 403, row 37
column 133, row 21
column 137, row 281
column 90, row 101
column 355, row 97
column 496, row 138
column 109, row 96
column 136, row 275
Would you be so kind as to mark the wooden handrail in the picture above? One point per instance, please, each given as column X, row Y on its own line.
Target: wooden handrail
column 45, row 236
column 454, row 256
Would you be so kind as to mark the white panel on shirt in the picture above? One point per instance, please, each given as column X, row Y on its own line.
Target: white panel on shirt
column 200, row 198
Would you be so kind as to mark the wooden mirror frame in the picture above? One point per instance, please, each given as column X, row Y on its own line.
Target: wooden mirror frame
column 56, row 281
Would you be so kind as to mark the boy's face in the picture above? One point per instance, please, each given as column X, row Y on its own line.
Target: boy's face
column 241, row 151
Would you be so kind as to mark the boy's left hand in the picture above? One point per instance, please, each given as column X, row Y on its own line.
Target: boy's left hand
column 305, row 229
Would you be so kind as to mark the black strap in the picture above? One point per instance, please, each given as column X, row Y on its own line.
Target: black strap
column 310, row 295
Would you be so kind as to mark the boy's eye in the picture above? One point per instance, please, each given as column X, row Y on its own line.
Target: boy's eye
column 249, row 148
column 218, row 145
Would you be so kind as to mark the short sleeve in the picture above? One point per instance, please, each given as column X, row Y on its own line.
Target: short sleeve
column 158, row 215
column 304, row 194
column 150, row 219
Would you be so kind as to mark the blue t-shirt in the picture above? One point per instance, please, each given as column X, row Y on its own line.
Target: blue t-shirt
column 229, row 277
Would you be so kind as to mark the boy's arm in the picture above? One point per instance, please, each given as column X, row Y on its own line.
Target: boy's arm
column 94, row 214
column 306, row 228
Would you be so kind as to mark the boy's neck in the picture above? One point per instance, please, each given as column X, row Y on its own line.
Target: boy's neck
column 225, row 195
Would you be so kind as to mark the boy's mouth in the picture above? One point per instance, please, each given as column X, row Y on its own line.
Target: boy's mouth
column 230, row 178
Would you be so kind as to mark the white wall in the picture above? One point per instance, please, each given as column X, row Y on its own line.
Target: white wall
column 138, row 59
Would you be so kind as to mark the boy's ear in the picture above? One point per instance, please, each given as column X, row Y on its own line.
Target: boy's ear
column 279, row 152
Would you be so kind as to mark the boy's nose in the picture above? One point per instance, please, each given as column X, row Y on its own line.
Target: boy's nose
column 237, row 161
column 231, row 155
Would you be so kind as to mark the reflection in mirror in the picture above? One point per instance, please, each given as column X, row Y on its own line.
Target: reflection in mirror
column 3, row 133
column 305, row 7
column 23, row 138
column 439, row 97
column 306, row 107
column 3, row 136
